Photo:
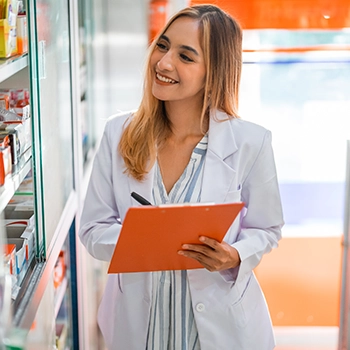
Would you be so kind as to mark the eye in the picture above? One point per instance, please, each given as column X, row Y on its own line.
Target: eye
column 186, row 58
column 161, row 46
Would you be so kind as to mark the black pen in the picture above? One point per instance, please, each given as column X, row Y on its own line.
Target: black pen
column 140, row 199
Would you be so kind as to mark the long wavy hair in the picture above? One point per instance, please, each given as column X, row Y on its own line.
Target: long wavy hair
column 221, row 42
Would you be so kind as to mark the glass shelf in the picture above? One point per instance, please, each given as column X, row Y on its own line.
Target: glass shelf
column 12, row 182
column 12, row 65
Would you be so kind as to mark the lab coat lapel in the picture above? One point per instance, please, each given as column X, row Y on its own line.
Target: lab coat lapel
column 218, row 176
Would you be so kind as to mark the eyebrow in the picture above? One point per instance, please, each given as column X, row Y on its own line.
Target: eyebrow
column 185, row 47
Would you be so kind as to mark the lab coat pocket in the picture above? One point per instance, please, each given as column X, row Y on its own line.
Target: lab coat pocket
column 244, row 306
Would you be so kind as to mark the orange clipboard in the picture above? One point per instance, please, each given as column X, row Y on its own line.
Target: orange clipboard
column 152, row 235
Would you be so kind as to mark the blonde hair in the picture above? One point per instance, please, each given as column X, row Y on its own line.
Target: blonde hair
column 221, row 42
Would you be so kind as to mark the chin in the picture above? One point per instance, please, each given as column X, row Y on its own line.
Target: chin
column 158, row 96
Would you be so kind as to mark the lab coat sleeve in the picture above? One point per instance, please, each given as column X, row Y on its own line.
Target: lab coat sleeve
column 262, row 217
column 100, row 228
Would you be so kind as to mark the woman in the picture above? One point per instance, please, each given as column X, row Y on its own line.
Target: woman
column 186, row 143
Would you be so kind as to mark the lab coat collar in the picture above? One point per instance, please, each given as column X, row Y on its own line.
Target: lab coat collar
column 221, row 139
column 218, row 176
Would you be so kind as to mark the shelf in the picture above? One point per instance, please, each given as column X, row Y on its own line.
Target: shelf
column 12, row 65
column 12, row 183
column 42, row 272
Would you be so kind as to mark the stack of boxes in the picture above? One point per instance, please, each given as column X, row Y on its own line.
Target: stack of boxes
column 19, row 221
column 13, row 28
column 15, row 131
column 15, row 151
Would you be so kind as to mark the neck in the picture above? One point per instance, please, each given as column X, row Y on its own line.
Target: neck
column 185, row 119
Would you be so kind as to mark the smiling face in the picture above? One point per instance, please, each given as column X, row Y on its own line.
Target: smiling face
column 178, row 63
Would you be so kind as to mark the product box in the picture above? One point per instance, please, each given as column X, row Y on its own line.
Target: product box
column 59, row 271
column 18, row 215
column 23, row 112
column 20, row 257
column 19, row 135
column 4, row 100
column 24, row 230
column 17, row 97
column 14, row 144
column 5, row 159
column 19, row 224
column 22, row 35
column 24, row 239
column 10, row 257
column 8, row 28
column 25, row 131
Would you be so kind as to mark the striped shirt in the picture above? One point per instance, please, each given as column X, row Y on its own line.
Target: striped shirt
column 172, row 325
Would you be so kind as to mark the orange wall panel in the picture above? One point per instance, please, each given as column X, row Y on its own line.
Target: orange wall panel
column 158, row 13
column 301, row 280
column 287, row 14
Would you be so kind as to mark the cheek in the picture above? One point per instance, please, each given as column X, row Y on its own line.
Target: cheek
column 201, row 81
column 201, row 74
column 153, row 60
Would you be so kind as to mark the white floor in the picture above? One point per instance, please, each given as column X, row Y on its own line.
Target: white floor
column 306, row 338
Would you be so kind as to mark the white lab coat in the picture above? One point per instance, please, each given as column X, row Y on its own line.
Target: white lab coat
column 229, row 306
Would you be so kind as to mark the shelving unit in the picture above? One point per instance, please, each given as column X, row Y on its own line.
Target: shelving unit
column 58, row 79
column 11, row 66
column 60, row 70
column 12, row 183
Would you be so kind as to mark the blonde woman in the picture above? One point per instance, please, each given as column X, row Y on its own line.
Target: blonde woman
column 186, row 143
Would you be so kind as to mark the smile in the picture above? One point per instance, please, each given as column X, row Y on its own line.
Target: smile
column 165, row 80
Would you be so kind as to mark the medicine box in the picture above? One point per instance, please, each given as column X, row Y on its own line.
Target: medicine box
column 5, row 159
column 8, row 28
column 20, row 257
column 10, row 257
column 25, row 231
column 19, row 139
column 22, row 223
column 22, row 35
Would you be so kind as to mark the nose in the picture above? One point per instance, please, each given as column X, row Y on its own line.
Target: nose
column 166, row 62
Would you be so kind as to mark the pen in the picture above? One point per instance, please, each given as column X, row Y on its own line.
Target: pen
column 140, row 199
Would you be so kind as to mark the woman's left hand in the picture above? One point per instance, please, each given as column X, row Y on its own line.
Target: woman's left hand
column 214, row 256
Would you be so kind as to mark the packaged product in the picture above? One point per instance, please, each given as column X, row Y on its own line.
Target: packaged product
column 22, row 35
column 8, row 28
column 5, row 159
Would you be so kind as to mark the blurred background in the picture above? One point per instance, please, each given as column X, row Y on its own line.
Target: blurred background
column 84, row 62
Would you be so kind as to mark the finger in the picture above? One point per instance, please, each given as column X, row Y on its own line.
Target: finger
column 214, row 244
column 202, row 259
column 200, row 248
column 206, row 257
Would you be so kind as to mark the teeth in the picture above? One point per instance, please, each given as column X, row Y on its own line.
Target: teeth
column 166, row 80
